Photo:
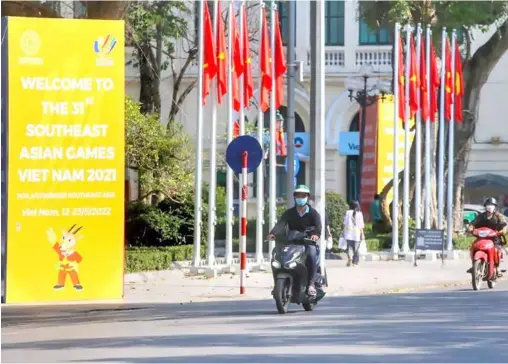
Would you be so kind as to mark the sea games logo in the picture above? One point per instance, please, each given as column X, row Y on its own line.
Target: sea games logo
column 103, row 48
column 30, row 44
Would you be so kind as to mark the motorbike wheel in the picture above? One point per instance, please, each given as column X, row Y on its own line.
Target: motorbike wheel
column 477, row 274
column 308, row 306
column 281, row 294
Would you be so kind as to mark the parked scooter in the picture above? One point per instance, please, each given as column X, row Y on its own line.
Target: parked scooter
column 485, row 257
column 291, row 276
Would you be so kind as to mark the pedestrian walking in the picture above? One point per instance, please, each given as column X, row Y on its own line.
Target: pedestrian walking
column 353, row 232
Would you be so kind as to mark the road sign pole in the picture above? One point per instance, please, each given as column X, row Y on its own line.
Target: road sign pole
column 243, row 216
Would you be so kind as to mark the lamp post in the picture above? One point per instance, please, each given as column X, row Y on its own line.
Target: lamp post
column 359, row 91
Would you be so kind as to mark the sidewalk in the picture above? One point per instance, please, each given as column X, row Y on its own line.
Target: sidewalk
column 368, row 278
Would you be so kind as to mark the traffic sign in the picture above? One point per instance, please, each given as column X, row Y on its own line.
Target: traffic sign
column 296, row 163
column 235, row 150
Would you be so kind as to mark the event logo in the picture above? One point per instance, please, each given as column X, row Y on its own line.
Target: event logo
column 30, row 44
column 103, row 47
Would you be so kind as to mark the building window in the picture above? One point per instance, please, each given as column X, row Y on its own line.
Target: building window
column 380, row 36
column 283, row 7
column 334, row 23
column 196, row 17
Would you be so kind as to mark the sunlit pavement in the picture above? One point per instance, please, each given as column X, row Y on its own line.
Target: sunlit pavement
column 448, row 325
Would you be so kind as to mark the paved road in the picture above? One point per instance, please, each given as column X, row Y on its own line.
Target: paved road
column 449, row 325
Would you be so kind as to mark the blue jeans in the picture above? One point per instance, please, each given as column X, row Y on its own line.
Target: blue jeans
column 353, row 248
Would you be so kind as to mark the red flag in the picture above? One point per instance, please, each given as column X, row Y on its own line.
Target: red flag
column 222, row 80
column 237, row 66
column 402, row 94
column 248, row 83
column 414, row 82
column 459, row 84
column 280, row 64
column 434, row 82
column 280, row 142
column 236, row 129
column 448, row 81
column 266, row 66
column 423, row 82
column 209, row 61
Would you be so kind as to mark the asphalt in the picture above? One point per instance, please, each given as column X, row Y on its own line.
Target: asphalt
column 441, row 325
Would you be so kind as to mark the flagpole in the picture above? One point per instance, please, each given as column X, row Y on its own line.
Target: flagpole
column 196, row 261
column 395, row 201
column 407, row 147
column 260, row 191
column 241, row 123
column 213, row 153
column 229, row 172
column 273, row 151
column 427, row 129
column 440, row 175
column 418, row 165
column 451, row 145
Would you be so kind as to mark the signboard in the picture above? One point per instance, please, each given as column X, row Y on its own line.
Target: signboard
column 296, row 163
column 349, row 143
column 65, row 172
column 385, row 155
column 302, row 142
column 429, row 239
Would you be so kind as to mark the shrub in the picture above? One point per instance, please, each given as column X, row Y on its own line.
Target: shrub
column 463, row 242
column 143, row 259
column 336, row 208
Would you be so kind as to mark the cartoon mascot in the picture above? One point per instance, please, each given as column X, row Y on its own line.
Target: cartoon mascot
column 68, row 257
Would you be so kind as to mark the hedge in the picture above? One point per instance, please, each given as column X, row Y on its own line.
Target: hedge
column 141, row 259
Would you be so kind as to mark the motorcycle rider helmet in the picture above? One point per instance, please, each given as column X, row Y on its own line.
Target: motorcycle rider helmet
column 301, row 195
column 490, row 205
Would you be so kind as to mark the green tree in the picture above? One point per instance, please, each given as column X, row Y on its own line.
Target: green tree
column 467, row 17
column 161, row 155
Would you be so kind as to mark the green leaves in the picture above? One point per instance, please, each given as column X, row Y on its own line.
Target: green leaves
column 162, row 155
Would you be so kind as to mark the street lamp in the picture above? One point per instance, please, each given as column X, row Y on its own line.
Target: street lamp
column 359, row 92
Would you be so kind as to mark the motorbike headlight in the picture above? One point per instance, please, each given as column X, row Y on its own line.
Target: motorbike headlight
column 275, row 264
column 483, row 233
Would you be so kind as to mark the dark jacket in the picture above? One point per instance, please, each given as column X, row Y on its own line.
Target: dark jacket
column 292, row 220
column 497, row 222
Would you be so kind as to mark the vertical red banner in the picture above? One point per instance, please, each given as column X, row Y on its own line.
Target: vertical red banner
column 369, row 168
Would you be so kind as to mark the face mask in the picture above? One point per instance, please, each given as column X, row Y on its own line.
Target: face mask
column 490, row 208
column 301, row 201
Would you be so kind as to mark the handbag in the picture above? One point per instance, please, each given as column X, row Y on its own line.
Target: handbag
column 342, row 243
column 329, row 243
column 362, row 250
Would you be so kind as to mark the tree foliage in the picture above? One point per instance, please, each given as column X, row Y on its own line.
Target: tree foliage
column 161, row 155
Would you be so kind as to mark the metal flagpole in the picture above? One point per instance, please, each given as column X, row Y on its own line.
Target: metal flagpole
column 229, row 172
column 407, row 148
column 395, row 158
column 199, row 147
column 440, row 174
column 451, row 145
column 241, row 117
column 320, row 126
column 273, row 147
column 213, row 154
column 260, row 184
column 418, row 165
column 427, row 130
column 291, row 101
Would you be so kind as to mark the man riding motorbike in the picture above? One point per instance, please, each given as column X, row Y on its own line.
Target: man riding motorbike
column 493, row 220
column 302, row 217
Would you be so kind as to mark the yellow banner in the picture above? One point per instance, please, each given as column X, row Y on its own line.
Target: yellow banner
column 65, row 227
column 385, row 153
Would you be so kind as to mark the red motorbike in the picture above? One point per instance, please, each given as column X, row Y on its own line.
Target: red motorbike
column 485, row 257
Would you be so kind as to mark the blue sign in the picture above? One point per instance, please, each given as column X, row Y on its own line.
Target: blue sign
column 302, row 142
column 236, row 149
column 349, row 143
column 296, row 163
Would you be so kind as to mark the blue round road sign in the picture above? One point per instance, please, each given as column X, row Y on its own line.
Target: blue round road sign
column 235, row 149
column 297, row 165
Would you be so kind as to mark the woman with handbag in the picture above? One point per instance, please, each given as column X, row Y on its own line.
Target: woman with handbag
column 353, row 232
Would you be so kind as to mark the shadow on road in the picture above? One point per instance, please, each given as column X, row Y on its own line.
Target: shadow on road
column 456, row 326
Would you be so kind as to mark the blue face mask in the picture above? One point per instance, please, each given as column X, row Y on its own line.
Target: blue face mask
column 301, row 201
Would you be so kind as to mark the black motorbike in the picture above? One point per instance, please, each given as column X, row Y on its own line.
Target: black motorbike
column 291, row 276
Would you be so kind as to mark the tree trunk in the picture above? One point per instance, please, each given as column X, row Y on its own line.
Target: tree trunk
column 149, row 94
